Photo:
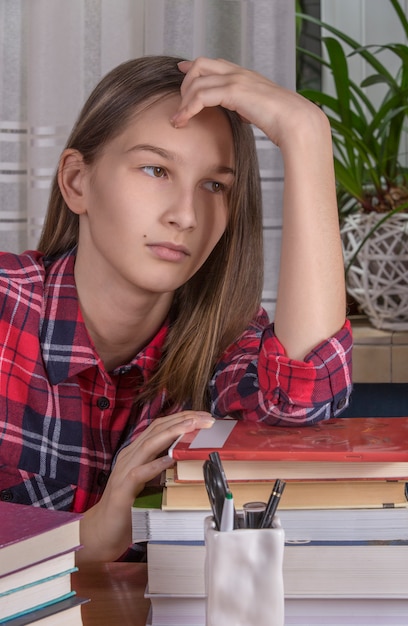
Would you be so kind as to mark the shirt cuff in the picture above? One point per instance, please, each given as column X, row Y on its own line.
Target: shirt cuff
column 324, row 375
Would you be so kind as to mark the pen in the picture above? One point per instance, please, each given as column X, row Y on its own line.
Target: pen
column 272, row 505
column 228, row 513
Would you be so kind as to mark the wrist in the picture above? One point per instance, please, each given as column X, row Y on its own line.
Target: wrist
column 101, row 540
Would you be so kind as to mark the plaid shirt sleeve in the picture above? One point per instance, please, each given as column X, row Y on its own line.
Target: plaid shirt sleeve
column 255, row 380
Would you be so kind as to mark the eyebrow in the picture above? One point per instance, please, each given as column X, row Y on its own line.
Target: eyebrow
column 172, row 156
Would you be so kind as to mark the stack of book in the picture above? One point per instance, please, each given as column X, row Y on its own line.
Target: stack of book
column 37, row 558
column 344, row 511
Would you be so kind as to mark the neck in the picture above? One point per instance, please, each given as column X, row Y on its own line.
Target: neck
column 119, row 324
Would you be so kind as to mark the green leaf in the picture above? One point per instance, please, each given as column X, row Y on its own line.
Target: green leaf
column 348, row 180
column 367, row 137
column 362, row 50
column 401, row 15
column 338, row 64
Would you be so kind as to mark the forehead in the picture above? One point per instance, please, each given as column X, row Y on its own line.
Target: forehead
column 208, row 134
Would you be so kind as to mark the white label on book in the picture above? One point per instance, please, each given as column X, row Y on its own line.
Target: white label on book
column 213, row 437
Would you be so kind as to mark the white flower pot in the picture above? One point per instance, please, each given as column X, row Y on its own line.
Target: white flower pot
column 378, row 277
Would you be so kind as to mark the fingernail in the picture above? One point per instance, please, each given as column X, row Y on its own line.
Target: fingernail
column 166, row 460
column 205, row 418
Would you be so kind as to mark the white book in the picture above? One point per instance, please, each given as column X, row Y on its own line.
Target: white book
column 299, row 524
column 309, row 570
column 178, row 610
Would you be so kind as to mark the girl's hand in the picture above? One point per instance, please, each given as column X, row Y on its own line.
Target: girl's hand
column 106, row 528
column 259, row 101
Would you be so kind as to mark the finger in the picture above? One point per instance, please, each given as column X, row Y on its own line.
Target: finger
column 199, row 416
column 188, row 420
column 208, row 91
column 204, row 66
column 184, row 66
column 164, row 432
column 205, row 85
column 159, row 435
column 142, row 474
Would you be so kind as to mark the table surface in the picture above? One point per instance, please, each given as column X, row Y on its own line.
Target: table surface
column 116, row 591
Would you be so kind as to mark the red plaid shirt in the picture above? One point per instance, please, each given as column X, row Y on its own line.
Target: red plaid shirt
column 63, row 417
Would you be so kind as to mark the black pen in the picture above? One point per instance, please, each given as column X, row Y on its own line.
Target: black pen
column 272, row 505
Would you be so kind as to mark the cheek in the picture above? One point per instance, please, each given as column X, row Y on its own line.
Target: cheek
column 219, row 224
column 213, row 234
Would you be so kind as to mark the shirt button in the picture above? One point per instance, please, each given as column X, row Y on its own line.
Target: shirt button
column 341, row 403
column 102, row 479
column 6, row 495
column 103, row 403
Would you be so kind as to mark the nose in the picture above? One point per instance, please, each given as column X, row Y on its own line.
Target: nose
column 181, row 211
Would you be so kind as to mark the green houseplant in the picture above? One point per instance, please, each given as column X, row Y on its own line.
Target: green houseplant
column 371, row 171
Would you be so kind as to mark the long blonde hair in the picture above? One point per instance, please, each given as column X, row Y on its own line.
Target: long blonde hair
column 213, row 308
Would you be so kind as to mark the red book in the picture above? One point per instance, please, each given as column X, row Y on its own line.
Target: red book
column 30, row 535
column 341, row 448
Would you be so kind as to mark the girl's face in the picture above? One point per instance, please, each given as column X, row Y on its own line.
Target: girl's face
column 155, row 202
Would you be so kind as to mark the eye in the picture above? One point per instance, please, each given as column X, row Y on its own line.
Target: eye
column 214, row 186
column 154, row 170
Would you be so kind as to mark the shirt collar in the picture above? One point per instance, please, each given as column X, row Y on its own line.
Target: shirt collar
column 66, row 345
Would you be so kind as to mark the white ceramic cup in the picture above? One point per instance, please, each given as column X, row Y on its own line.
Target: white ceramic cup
column 243, row 576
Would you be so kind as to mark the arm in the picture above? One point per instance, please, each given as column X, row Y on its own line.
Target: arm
column 106, row 528
column 311, row 293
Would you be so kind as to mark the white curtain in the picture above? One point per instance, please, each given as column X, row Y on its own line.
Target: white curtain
column 53, row 52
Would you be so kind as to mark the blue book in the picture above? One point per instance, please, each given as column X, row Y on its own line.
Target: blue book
column 36, row 595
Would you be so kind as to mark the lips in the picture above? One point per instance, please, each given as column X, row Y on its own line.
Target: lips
column 168, row 251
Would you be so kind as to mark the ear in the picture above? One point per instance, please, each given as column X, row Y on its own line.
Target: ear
column 71, row 180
